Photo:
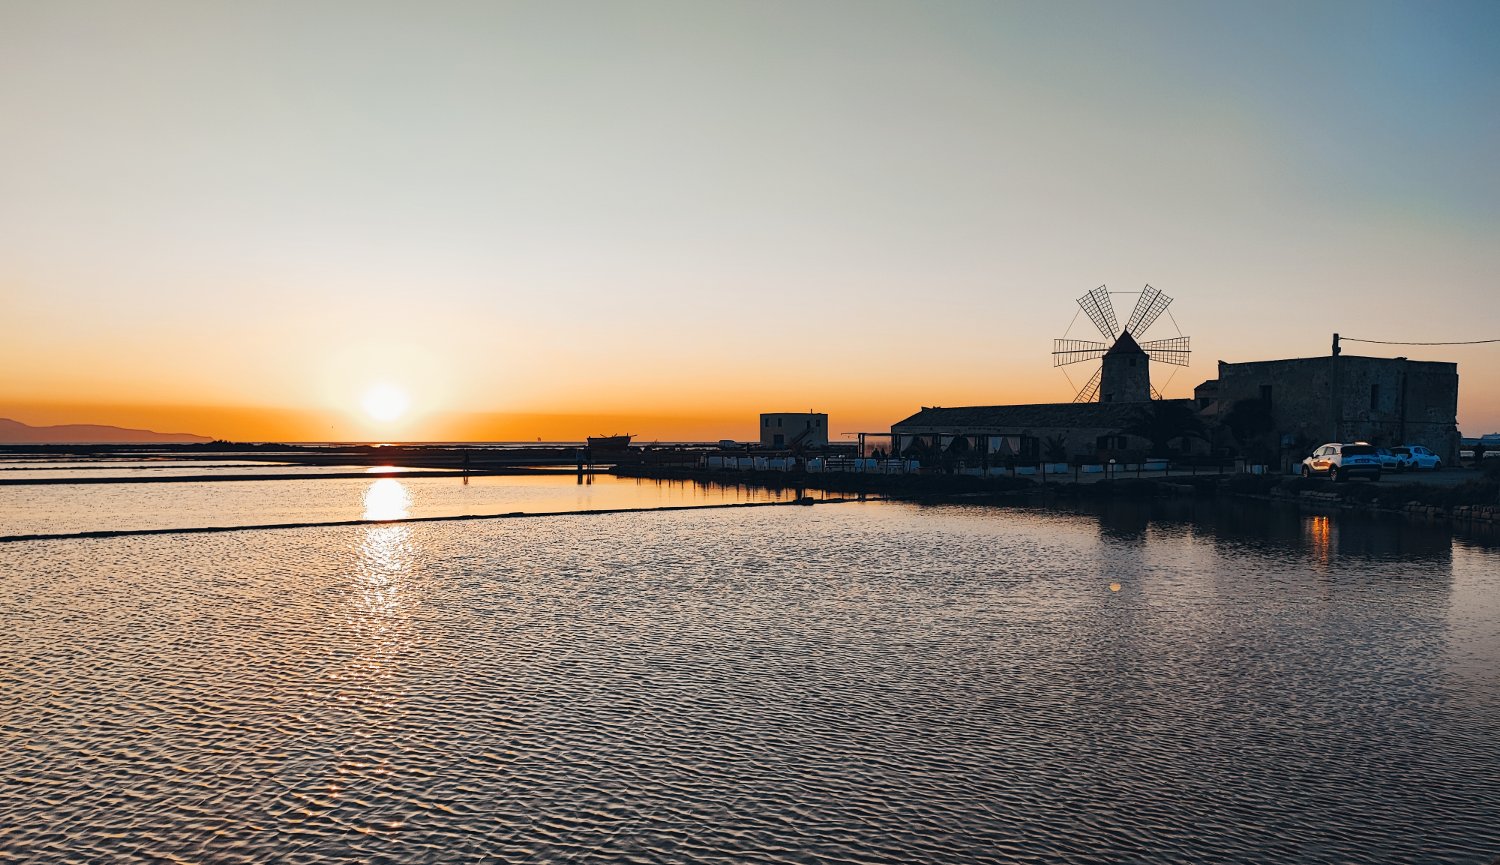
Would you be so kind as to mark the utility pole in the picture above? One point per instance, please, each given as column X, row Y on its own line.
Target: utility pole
column 1338, row 393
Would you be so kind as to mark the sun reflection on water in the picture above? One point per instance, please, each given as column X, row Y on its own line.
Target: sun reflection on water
column 387, row 499
column 384, row 556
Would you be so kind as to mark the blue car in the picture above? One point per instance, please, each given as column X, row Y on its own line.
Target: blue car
column 1417, row 457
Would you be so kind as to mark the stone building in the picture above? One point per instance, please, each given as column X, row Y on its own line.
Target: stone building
column 1087, row 431
column 806, row 429
column 1383, row 401
column 1124, row 375
column 1083, row 431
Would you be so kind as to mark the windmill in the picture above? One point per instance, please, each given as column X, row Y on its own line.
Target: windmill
column 1123, row 374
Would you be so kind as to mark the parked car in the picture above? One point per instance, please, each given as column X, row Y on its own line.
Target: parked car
column 1417, row 457
column 1343, row 460
column 1388, row 460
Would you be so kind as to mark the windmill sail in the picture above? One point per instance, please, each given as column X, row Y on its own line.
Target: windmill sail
column 1101, row 312
column 1148, row 308
column 1090, row 391
column 1150, row 304
column 1173, row 350
column 1066, row 351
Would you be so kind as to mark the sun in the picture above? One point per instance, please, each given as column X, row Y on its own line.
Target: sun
column 384, row 402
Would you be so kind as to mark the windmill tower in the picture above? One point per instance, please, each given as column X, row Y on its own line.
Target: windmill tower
column 1124, row 360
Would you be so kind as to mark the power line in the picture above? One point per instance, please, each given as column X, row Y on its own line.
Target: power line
column 1393, row 342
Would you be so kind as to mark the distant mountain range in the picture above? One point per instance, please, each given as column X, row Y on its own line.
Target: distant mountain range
column 15, row 432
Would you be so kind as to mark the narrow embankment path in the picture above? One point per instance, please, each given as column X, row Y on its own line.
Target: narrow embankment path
column 513, row 515
column 289, row 476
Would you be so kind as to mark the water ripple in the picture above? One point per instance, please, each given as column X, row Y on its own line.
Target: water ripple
column 878, row 683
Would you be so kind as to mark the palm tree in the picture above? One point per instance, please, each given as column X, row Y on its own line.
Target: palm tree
column 1162, row 421
column 1250, row 421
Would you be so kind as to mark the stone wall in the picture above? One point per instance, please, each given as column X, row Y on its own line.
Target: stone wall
column 1384, row 401
column 1125, row 377
column 1081, row 443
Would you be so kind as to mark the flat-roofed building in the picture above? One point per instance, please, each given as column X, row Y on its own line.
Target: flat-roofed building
column 806, row 429
column 1385, row 401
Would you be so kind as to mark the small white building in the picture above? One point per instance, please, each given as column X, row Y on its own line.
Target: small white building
column 794, row 429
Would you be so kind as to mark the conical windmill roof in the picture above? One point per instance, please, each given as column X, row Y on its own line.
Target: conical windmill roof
column 1126, row 344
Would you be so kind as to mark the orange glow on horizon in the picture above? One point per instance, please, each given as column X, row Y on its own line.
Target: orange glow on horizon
column 653, row 410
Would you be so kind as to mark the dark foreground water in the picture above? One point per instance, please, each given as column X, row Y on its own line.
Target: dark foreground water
column 843, row 683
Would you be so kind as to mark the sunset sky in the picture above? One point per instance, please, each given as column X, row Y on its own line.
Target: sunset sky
column 558, row 219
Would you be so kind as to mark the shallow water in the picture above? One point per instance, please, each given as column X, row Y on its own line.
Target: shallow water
column 68, row 508
column 855, row 683
column 95, row 470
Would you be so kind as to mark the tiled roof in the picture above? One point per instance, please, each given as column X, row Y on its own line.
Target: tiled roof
column 1080, row 415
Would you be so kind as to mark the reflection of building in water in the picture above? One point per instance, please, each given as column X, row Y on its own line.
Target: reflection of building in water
column 1347, row 535
column 1123, row 519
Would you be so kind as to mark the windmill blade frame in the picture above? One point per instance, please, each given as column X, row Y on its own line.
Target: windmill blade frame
column 1066, row 351
column 1173, row 350
column 1101, row 311
column 1148, row 308
column 1090, row 390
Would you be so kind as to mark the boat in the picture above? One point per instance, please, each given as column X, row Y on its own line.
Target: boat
column 610, row 443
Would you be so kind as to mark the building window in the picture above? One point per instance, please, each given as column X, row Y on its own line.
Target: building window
column 1265, row 394
column 1374, row 397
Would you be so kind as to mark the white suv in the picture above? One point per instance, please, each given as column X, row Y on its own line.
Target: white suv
column 1341, row 461
column 1416, row 457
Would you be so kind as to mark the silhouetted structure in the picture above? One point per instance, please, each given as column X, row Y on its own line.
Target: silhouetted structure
column 806, row 429
column 1123, row 374
column 1087, row 430
column 1383, row 401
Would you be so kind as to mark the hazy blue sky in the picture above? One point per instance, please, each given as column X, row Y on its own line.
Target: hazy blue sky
column 698, row 210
